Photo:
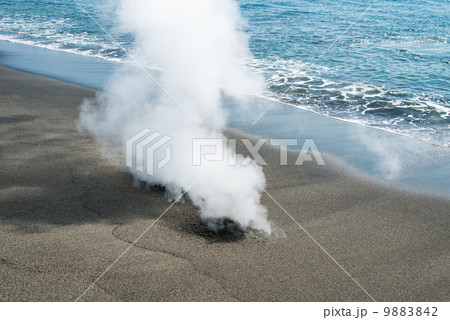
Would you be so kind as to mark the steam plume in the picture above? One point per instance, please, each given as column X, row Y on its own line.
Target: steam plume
column 200, row 49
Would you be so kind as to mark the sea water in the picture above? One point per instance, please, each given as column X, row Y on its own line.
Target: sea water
column 383, row 64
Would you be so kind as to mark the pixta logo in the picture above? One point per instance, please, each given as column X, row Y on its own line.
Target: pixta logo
column 142, row 148
column 214, row 150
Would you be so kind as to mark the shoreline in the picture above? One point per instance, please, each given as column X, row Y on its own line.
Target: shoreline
column 395, row 159
column 16, row 46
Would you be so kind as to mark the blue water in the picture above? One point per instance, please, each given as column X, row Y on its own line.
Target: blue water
column 390, row 70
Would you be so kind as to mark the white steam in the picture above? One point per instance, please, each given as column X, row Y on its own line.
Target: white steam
column 200, row 49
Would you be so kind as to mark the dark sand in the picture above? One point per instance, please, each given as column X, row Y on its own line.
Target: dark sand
column 66, row 215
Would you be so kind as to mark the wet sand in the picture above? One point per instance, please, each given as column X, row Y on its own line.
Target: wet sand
column 66, row 215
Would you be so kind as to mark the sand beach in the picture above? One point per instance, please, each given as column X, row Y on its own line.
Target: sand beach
column 66, row 215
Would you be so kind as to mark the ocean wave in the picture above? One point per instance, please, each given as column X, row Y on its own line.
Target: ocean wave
column 56, row 35
column 425, row 117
